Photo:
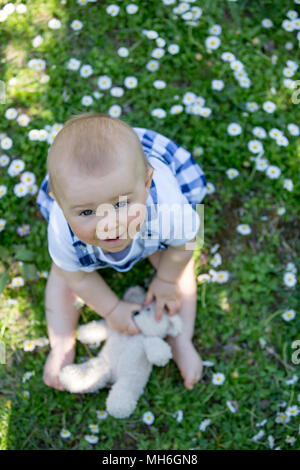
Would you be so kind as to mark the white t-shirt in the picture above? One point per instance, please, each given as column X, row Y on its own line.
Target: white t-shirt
column 179, row 231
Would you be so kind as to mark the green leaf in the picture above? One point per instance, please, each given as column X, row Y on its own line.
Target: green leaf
column 29, row 271
column 4, row 277
column 24, row 255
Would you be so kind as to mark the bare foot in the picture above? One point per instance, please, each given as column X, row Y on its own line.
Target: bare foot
column 187, row 360
column 59, row 357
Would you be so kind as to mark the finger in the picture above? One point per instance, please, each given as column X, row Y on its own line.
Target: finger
column 159, row 310
column 148, row 298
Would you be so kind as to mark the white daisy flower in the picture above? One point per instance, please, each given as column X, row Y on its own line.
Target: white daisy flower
column 212, row 42
column 261, row 164
column 292, row 14
column 87, row 100
column 86, row 70
column 203, row 425
column 159, row 113
column 4, row 160
column 282, row 417
column 289, row 315
column 123, row 52
column 244, row 82
column 41, row 342
column 273, row 172
column 216, row 29
column 117, row 91
column 218, row 378
column 262, row 343
column 282, row 141
column 258, row 436
column 28, row 346
column 202, row 111
column 152, row 65
column 76, row 25
column 290, row 440
column 234, row 129
column 267, row 23
column 73, row 64
column 115, row 111
column 26, row 394
column 64, row 433
column 292, row 381
column 252, row 106
column 23, row 230
column 259, row 132
column 189, row 98
column 291, row 267
column 269, row 106
column 243, row 229
column 148, row 417
column 197, row 151
column 113, row 10
column 21, row 8
column 79, row 302
column 94, row 428
column 216, row 260
column 159, row 84
column 2, row 224
column 132, row 8
column 101, row 414
column 23, row 120
column 27, row 376
column 160, row 42
column 231, row 406
column 178, row 415
column 203, row 278
column 20, row 189
column 130, row 82
column 293, row 129
column 173, row 49
column 287, row 25
column 97, row 94
column 208, row 363
column 271, row 441
column 158, row 52
column 11, row 113
column 289, row 279
column 255, row 146
column 28, row 178
column 228, row 57
column 210, row 188
column 151, row 34
column 3, row 190
column 274, row 133
column 176, row 109
column 232, row 173
column 288, row 184
column 287, row 72
column 292, row 410
column 217, row 85
column 281, row 210
column 37, row 41
column 90, row 438
column 16, row 166
column 237, row 65
column 104, row 82
column 6, row 143
column 54, row 23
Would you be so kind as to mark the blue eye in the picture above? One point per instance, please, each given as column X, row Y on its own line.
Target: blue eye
column 89, row 210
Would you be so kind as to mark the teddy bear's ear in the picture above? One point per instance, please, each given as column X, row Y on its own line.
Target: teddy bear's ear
column 175, row 325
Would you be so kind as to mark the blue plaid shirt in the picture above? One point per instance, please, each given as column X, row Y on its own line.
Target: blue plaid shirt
column 192, row 184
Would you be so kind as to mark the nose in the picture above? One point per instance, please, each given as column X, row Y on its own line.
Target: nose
column 136, row 313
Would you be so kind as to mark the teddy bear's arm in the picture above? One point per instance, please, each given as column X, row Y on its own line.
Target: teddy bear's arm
column 92, row 332
column 157, row 350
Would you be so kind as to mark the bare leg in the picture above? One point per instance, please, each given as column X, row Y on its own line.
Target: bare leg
column 183, row 350
column 62, row 319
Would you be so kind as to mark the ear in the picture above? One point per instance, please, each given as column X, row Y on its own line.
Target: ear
column 175, row 325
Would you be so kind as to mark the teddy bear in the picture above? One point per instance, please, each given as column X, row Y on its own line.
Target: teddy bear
column 124, row 362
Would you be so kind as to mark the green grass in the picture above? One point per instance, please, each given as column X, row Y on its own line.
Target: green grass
column 233, row 318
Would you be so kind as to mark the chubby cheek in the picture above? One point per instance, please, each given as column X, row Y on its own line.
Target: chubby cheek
column 83, row 230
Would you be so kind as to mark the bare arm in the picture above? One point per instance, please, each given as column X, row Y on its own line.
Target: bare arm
column 95, row 292
column 172, row 262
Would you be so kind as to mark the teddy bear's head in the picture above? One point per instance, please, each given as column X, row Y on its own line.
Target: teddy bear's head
column 149, row 326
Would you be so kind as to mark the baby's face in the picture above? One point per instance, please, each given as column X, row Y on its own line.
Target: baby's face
column 99, row 208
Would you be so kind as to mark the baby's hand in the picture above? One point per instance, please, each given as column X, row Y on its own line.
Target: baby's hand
column 166, row 294
column 120, row 319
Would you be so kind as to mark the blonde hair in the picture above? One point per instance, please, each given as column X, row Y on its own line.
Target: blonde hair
column 91, row 142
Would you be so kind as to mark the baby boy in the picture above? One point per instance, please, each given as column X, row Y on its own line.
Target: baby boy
column 100, row 178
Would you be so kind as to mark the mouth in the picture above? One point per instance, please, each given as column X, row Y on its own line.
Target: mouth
column 114, row 240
